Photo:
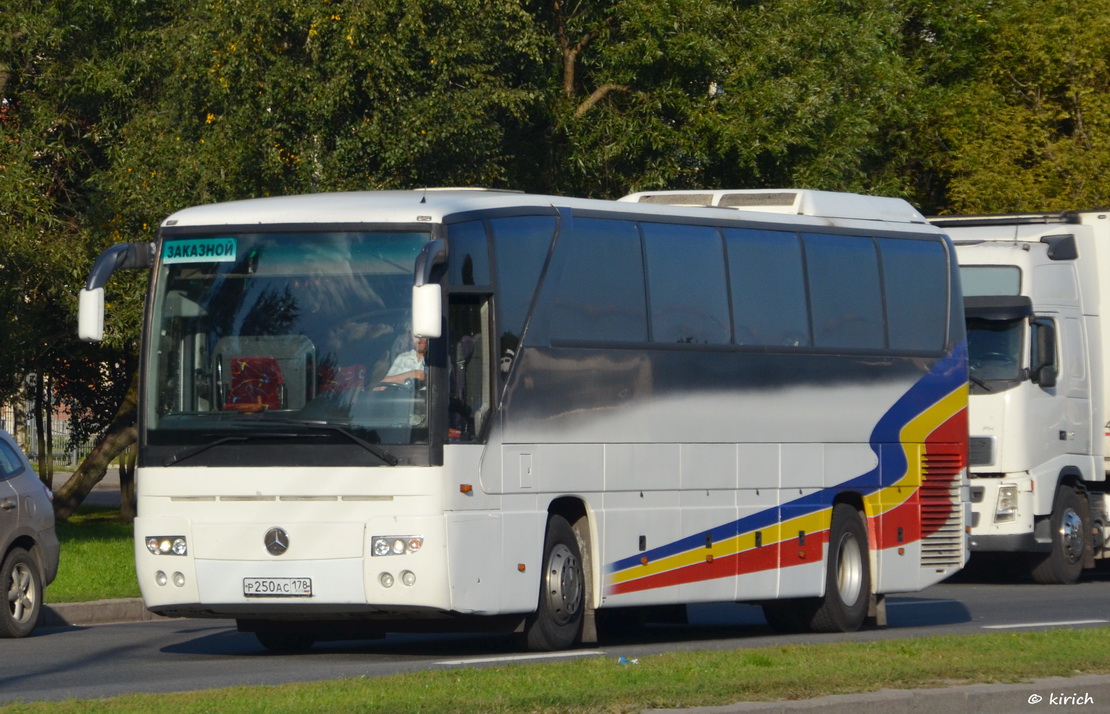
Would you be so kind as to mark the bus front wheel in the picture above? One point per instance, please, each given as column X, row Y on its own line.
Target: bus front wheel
column 847, row 574
column 557, row 622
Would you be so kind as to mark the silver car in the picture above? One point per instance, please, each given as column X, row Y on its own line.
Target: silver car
column 28, row 543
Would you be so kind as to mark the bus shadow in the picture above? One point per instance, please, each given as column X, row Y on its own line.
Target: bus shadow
column 704, row 623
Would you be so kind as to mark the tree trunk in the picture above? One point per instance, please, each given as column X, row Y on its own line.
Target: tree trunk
column 127, row 485
column 121, row 434
column 42, row 457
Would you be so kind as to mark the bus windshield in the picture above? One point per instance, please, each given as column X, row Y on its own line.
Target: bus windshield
column 309, row 329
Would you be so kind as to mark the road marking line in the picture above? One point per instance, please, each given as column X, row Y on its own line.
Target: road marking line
column 919, row 603
column 521, row 657
column 1046, row 624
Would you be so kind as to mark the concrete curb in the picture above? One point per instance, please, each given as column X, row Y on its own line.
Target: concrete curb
column 97, row 612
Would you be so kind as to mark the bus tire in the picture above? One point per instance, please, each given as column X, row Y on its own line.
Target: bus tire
column 1071, row 522
column 847, row 574
column 557, row 622
column 22, row 585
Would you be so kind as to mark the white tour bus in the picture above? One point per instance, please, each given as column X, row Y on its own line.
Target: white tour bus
column 374, row 412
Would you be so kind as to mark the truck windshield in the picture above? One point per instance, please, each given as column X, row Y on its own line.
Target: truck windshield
column 994, row 350
column 266, row 331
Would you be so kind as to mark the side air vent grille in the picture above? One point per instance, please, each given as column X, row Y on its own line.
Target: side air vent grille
column 942, row 528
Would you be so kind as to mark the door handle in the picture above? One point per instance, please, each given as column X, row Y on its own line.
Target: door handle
column 8, row 504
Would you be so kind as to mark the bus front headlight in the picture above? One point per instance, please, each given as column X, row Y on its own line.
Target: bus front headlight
column 395, row 545
column 167, row 545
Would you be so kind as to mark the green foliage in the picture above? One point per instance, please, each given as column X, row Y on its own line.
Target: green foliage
column 116, row 113
column 1032, row 130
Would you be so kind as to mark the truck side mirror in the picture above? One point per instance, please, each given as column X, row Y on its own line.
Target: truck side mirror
column 1043, row 369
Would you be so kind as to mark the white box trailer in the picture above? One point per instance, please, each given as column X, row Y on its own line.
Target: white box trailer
column 1036, row 322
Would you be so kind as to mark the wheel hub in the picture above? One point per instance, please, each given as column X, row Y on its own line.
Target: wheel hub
column 1071, row 535
column 564, row 584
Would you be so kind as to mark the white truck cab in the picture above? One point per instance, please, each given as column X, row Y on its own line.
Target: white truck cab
column 1038, row 402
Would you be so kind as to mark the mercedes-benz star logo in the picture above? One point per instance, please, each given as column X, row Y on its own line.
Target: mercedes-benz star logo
column 277, row 541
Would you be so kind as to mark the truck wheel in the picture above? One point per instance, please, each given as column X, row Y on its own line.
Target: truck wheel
column 1071, row 524
column 557, row 622
column 847, row 574
column 22, row 583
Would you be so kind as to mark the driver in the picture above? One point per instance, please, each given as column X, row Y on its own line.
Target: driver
column 408, row 365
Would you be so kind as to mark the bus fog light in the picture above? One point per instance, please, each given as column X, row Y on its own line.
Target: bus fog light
column 179, row 580
column 160, row 578
column 386, row 579
column 408, row 578
column 1007, row 505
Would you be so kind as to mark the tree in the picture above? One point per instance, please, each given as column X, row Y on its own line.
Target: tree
column 1031, row 131
column 682, row 94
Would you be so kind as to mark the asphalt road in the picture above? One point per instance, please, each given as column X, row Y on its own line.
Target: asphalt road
column 187, row 654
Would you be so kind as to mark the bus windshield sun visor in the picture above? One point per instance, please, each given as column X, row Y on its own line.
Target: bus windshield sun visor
column 998, row 307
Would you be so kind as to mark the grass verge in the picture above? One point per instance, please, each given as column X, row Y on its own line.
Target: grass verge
column 677, row 680
column 97, row 559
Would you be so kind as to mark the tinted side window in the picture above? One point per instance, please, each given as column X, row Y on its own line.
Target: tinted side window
column 600, row 290
column 845, row 297
column 520, row 245
column 915, row 280
column 686, row 284
column 768, row 288
column 468, row 254
column 10, row 463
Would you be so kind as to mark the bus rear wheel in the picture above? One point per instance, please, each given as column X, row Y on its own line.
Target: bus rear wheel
column 557, row 622
column 847, row 574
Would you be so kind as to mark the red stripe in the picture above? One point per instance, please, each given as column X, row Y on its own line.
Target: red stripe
column 768, row 557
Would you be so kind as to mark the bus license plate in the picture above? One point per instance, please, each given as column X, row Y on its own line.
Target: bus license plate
column 277, row 587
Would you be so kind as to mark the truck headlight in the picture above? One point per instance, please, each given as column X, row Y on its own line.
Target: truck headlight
column 1006, row 507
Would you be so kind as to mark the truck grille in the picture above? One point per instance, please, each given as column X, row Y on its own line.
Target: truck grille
column 942, row 527
column 980, row 451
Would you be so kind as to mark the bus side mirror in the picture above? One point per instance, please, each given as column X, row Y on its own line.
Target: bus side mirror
column 427, row 298
column 427, row 310
column 90, row 315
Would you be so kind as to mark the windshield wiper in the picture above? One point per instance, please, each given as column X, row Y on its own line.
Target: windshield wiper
column 980, row 382
column 343, row 431
column 190, row 452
